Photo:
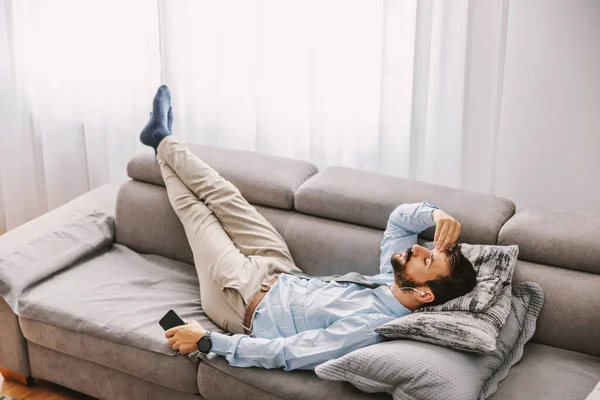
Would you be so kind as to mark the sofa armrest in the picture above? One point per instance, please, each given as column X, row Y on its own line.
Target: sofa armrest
column 13, row 347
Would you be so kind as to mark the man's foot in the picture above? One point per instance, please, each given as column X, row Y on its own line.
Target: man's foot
column 169, row 123
column 161, row 119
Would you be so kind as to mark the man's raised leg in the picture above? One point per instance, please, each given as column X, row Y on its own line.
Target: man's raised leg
column 223, row 271
column 248, row 229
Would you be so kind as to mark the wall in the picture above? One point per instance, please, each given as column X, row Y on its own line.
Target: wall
column 548, row 141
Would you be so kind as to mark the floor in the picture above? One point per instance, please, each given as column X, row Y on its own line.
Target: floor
column 40, row 391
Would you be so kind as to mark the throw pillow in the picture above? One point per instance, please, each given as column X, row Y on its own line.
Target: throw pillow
column 415, row 370
column 470, row 322
column 494, row 266
column 460, row 330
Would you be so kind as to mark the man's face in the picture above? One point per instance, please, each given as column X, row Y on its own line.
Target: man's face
column 418, row 265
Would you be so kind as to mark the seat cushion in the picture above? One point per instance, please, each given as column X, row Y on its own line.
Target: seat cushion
column 258, row 383
column 106, row 309
column 550, row 373
column 175, row 372
column 117, row 295
column 262, row 179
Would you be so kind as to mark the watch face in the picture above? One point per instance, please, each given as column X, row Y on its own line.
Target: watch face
column 204, row 345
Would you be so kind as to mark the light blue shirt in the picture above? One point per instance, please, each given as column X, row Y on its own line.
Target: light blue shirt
column 302, row 323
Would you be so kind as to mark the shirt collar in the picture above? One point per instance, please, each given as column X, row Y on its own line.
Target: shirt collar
column 385, row 294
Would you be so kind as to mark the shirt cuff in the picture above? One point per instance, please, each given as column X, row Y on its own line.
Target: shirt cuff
column 429, row 215
column 219, row 343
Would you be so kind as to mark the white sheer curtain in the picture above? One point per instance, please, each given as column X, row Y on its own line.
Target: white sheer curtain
column 296, row 79
column 76, row 80
column 375, row 85
column 371, row 84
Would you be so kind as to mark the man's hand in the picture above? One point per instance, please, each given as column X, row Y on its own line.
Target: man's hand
column 185, row 337
column 447, row 230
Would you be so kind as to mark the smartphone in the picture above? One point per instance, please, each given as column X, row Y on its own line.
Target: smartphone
column 170, row 320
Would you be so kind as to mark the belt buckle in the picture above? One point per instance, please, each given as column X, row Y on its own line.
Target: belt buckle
column 265, row 286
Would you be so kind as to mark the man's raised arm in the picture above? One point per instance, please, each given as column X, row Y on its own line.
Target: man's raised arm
column 403, row 227
column 405, row 224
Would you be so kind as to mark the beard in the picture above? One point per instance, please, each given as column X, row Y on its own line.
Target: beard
column 399, row 266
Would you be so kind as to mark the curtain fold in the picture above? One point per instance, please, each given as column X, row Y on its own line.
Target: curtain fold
column 372, row 84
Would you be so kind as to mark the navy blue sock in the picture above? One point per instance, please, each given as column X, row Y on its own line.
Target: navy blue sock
column 161, row 119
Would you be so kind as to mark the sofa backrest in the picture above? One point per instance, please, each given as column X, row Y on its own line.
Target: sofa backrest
column 368, row 198
column 343, row 213
column 262, row 179
column 561, row 252
column 145, row 221
column 332, row 221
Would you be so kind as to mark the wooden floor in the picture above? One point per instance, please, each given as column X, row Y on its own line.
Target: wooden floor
column 40, row 391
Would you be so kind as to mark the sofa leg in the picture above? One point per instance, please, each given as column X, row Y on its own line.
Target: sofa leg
column 15, row 377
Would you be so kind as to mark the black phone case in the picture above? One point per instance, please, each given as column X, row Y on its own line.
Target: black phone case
column 170, row 320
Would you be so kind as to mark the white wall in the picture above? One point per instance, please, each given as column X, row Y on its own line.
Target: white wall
column 548, row 148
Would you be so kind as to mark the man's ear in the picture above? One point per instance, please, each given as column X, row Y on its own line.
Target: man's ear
column 426, row 297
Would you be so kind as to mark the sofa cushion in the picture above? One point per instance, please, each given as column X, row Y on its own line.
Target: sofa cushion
column 116, row 294
column 368, row 198
column 563, row 239
column 570, row 318
column 146, row 223
column 470, row 322
column 324, row 247
column 271, row 383
column 416, row 370
column 175, row 372
column 462, row 330
column 262, row 179
column 101, row 199
column 495, row 266
column 549, row 373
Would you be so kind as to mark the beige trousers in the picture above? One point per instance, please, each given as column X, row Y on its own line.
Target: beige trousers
column 235, row 248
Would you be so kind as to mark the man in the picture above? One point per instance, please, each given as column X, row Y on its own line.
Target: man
column 251, row 288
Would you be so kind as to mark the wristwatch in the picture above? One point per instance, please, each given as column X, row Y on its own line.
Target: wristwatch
column 205, row 344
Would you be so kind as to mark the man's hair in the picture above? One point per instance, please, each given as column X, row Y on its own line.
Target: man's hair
column 461, row 280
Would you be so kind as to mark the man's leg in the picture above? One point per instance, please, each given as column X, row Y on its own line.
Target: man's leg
column 247, row 249
column 253, row 235
column 222, row 268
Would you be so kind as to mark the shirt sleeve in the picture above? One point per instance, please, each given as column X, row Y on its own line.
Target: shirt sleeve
column 304, row 350
column 403, row 227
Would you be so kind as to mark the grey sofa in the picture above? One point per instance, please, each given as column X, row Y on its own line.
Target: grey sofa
column 333, row 222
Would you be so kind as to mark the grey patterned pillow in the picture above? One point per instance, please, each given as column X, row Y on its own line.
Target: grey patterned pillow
column 494, row 265
column 470, row 322
column 461, row 330
column 422, row 371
